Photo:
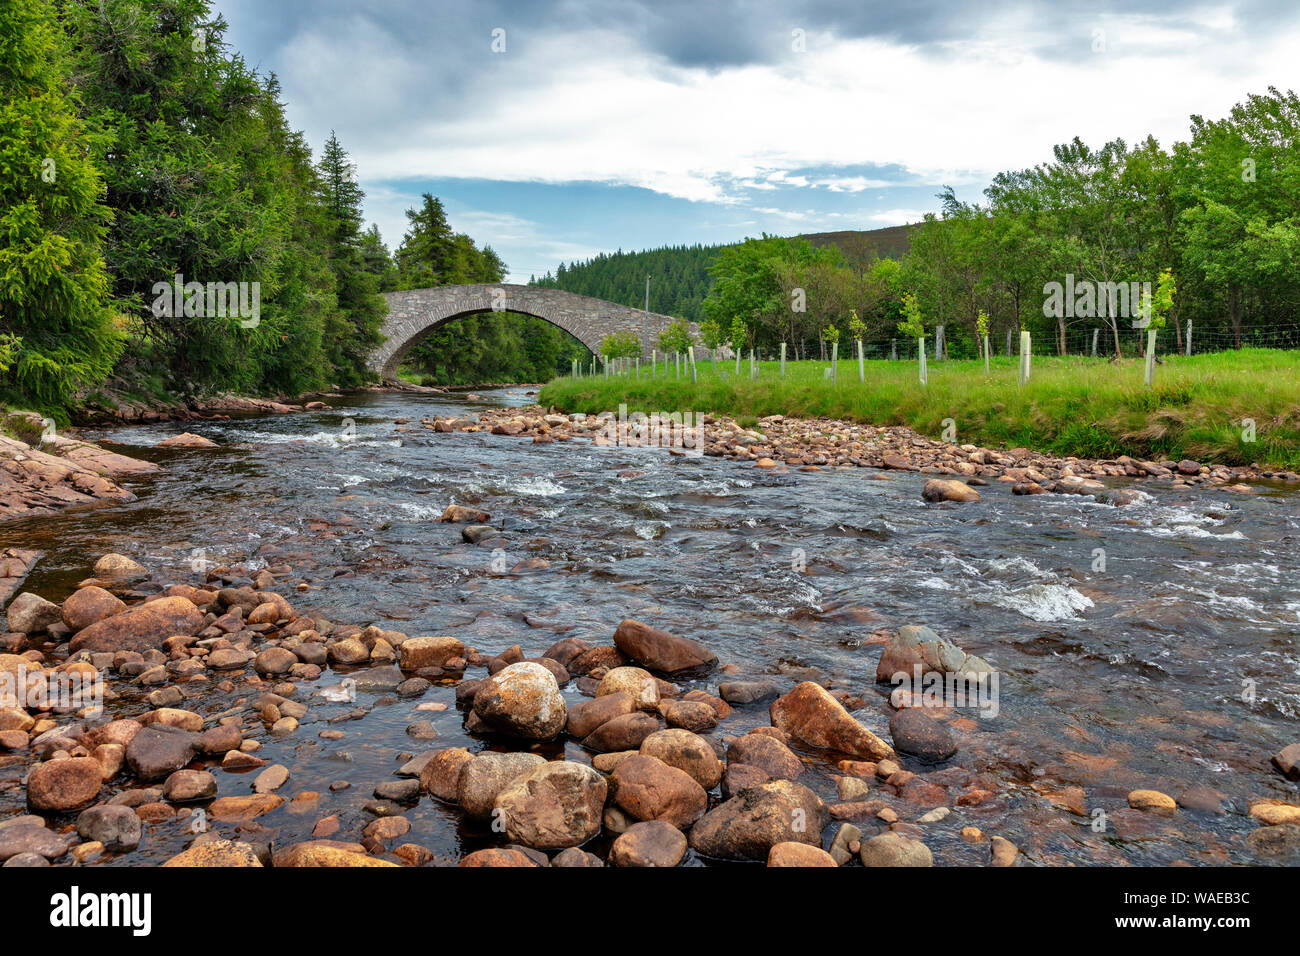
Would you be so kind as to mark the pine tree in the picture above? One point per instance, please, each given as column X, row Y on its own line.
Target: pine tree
column 59, row 331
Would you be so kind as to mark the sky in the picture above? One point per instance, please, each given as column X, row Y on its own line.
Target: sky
column 554, row 130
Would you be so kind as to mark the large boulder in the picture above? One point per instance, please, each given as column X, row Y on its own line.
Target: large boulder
column 917, row 733
column 747, row 826
column 637, row 683
column 586, row 716
column 656, row 650
column 157, row 751
column 799, row 854
column 687, row 752
column 894, row 849
column 90, row 605
column 556, row 805
column 768, row 754
column 948, row 489
column 649, row 789
column 326, row 853
column 625, row 732
column 223, row 853
column 118, row 567
column 812, row 716
column 60, row 785
column 522, row 700
column 417, row 652
column 117, row 827
column 649, row 843
column 29, row 837
column 440, row 776
column 141, row 628
column 915, row 651
column 486, row 775
column 30, row 613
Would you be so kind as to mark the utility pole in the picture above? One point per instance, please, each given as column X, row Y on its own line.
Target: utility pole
column 646, row 329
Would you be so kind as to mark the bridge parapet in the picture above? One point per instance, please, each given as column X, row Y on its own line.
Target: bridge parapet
column 413, row 313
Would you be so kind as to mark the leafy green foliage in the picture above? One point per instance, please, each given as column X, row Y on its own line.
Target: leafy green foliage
column 56, row 321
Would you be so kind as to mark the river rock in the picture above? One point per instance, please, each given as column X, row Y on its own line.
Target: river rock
column 811, row 715
column 223, row 853
column 768, row 754
column 522, row 700
column 637, row 683
column 1152, row 801
column 497, row 856
column 186, row 440
column 458, row 514
column 417, row 652
column 1282, row 840
column 141, row 628
column 948, row 489
column 30, row 613
column 556, row 805
column 799, row 854
column 273, row 661
column 565, row 651
column 61, row 785
column 441, row 775
column 586, row 716
column 19, row 839
column 573, row 858
column 649, row 789
column 917, row 733
column 118, row 828
column 744, row 692
column 625, row 732
column 916, row 646
column 157, row 751
column 676, row 657
column 747, row 826
column 649, row 843
column 185, row 786
column 486, row 775
column 118, row 567
column 328, row 853
column 90, row 605
column 1287, row 761
column 894, row 849
column 693, row 715
column 687, row 752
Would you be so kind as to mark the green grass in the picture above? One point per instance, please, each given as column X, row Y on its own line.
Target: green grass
column 1072, row 406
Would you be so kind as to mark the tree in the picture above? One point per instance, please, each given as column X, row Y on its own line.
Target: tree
column 55, row 321
column 712, row 336
column 349, row 340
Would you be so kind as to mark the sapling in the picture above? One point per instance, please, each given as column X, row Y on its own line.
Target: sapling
column 913, row 326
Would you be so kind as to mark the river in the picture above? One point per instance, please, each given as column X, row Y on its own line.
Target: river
column 1147, row 646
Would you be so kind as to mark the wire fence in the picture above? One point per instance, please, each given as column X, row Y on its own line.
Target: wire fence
column 1095, row 343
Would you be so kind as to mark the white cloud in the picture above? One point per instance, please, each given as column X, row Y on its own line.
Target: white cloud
column 591, row 106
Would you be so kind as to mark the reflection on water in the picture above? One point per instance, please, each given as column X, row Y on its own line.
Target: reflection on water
column 1125, row 635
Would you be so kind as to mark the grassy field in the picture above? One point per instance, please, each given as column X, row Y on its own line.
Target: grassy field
column 1086, row 407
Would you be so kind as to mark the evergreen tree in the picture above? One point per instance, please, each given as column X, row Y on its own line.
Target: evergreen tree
column 58, row 330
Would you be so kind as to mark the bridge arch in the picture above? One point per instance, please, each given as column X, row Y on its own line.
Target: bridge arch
column 413, row 313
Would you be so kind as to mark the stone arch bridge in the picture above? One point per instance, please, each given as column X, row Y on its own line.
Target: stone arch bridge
column 414, row 313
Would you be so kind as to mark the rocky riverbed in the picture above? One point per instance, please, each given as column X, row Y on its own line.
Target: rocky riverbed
column 621, row 656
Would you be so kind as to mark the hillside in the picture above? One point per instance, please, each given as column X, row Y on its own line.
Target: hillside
column 679, row 276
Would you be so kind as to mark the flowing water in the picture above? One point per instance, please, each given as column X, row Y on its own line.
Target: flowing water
column 1148, row 646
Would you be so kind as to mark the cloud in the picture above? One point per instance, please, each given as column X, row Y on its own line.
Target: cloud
column 710, row 103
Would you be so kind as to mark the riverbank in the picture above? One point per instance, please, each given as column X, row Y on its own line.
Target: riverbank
column 781, row 443
column 1232, row 408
